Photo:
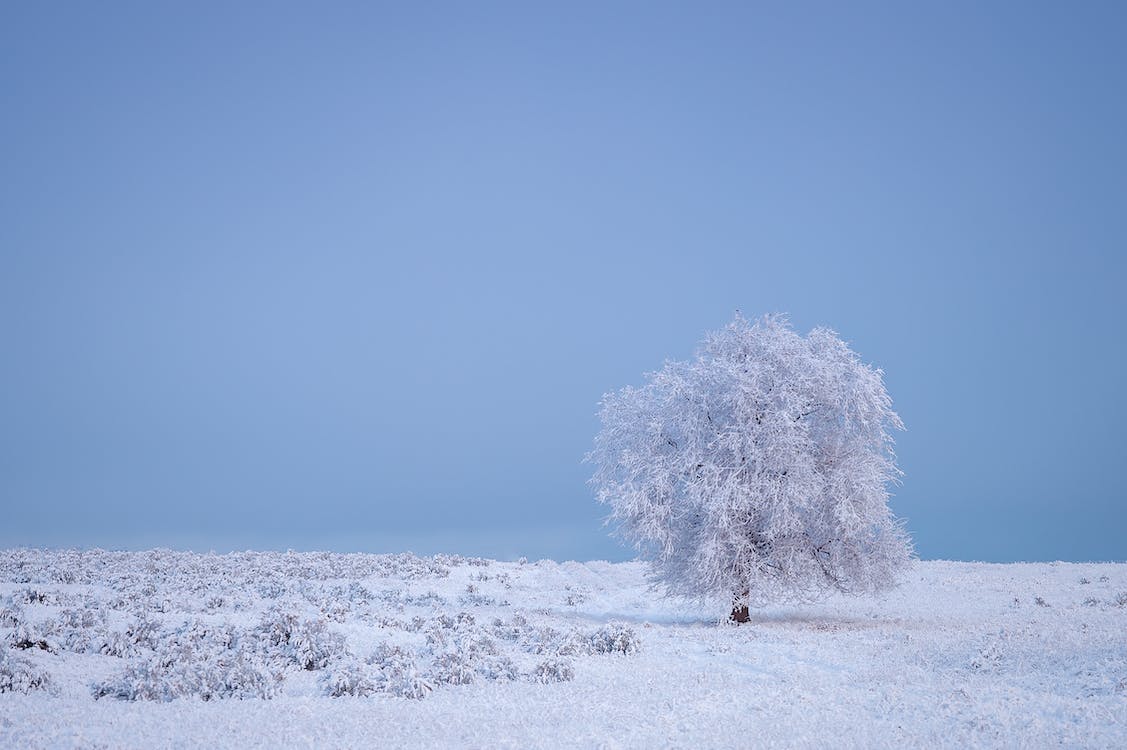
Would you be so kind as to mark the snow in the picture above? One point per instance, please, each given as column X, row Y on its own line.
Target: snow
column 759, row 468
column 546, row 654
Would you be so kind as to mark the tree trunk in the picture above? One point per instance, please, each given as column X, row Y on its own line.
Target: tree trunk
column 739, row 608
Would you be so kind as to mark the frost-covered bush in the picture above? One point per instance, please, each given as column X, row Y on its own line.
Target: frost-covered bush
column 429, row 599
column 28, row 636
column 207, row 679
column 497, row 668
column 393, row 670
column 471, row 655
column 510, row 630
column 758, row 470
column 347, row 678
column 397, row 673
column 453, row 668
column 614, row 638
column 272, row 589
column 142, row 634
column 19, row 675
column 11, row 614
column 475, row 598
column 196, row 660
column 35, row 596
column 553, row 670
column 575, row 596
column 287, row 640
column 334, row 610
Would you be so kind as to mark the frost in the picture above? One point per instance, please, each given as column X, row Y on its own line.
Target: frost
column 944, row 661
column 19, row 675
column 287, row 640
column 206, row 679
column 197, row 660
column 348, row 678
column 553, row 670
column 614, row 638
column 397, row 673
column 757, row 471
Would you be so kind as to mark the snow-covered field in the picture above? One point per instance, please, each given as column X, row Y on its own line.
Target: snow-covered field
column 172, row 649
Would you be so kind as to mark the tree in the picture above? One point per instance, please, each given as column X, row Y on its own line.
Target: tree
column 758, row 470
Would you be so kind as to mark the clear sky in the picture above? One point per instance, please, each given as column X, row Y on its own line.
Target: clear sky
column 355, row 275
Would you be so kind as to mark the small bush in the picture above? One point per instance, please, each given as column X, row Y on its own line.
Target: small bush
column 614, row 638
column 11, row 614
column 33, row 637
column 348, row 679
column 19, row 675
column 396, row 672
column 453, row 668
column 308, row 644
column 553, row 670
column 208, row 679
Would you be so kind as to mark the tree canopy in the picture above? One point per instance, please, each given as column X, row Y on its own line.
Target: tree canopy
column 758, row 469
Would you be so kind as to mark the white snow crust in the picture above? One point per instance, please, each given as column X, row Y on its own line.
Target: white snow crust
column 174, row 649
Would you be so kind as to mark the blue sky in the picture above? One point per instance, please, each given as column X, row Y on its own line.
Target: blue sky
column 355, row 275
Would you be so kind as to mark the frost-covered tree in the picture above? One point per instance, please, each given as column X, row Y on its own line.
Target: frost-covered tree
column 759, row 469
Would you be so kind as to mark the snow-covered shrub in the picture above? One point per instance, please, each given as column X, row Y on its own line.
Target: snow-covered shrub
column 614, row 638
column 358, row 593
column 553, row 670
column 347, row 678
column 545, row 640
column 757, row 471
column 429, row 599
column 287, row 640
column 11, row 614
column 19, row 675
column 206, row 679
column 196, row 660
column 575, row 596
column 86, row 618
column 334, row 610
column 452, row 668
column 33, row 636
column 35, row 596
column 472, row 655
column 437, row 638
column 397, row 673
column 142, row 634
column 475, row 598
column 444, row 627
column 272, row 589
column 512, row 630
column 496, row 668
column 461, row 622
column 1120, row 599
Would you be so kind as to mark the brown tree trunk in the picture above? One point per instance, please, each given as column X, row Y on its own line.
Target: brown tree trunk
column 739, row 611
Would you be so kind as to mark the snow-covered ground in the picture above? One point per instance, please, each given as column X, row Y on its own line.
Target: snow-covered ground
column 172, row 649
